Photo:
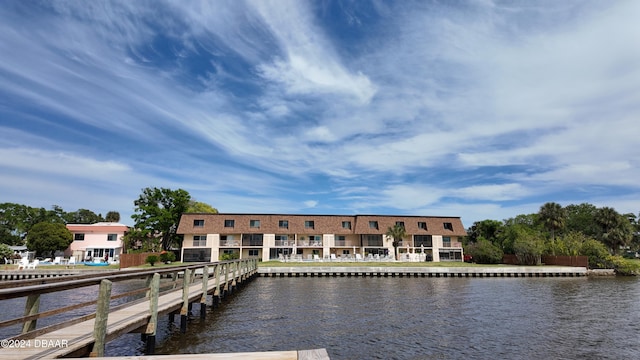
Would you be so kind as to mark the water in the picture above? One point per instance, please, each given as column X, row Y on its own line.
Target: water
column 416, row 318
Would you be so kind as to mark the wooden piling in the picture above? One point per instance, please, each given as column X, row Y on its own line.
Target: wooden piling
column 102, row 315
column 203, row 297
column 184, row 311
column 152, row 325
column 31, row 308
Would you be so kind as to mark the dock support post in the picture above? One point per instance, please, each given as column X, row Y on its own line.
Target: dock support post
column 205, row 288
column 150, row 332
column 185, row 301
column 102, row 314
column 31, row 308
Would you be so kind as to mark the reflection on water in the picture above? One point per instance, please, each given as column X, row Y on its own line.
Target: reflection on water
column 416, row 318
column 425, row 318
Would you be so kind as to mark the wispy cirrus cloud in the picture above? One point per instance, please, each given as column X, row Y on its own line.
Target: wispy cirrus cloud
column 476, row 108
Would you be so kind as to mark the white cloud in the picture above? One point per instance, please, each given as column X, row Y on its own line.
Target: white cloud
column 310, row 203
column 308, row 65
column 493, row 192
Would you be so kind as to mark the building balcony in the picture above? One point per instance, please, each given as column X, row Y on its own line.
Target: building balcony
column 228, row 243
column 310, row 243
column 452, row 245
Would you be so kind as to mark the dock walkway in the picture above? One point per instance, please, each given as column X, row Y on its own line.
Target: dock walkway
column 78, row 339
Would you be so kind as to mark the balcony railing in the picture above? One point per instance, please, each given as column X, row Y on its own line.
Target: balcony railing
column 451, row 245
column 229, row 242
column 310, row 242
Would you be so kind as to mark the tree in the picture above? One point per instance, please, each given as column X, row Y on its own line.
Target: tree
column 16, row 220
column 581, row 218
column 83, row 216
column 200, row 207
column 396, row 232
column 552, row 216
column 528, row 248
column 487, row 229
column 158, row 212
column 48, row 238
column 617, row 231
column 5, row 252
column 484, row 251
column 112, row 216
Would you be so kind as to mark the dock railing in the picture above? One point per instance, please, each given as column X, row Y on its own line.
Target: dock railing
column 216, row 279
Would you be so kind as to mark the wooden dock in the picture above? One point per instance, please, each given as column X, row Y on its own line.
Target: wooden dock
column 315, row 354
column 89, row 335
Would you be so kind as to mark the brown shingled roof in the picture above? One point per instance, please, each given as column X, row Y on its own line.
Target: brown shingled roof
column 323, row 224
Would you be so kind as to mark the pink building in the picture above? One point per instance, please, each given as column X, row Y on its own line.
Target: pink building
column 96, row 241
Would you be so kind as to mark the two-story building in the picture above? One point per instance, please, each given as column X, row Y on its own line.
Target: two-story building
column 273, row 236
column 101, row 240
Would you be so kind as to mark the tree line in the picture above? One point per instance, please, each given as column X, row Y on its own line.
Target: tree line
column 602, row 234
column 156, row 215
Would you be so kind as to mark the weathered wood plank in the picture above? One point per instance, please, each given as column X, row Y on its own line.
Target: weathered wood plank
column 315, row 354
column 124, row 320
column 269, row 355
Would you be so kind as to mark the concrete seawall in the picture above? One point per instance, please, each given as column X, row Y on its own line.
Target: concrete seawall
column 507, row 271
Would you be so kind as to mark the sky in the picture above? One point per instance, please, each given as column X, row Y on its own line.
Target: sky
column 479, row 109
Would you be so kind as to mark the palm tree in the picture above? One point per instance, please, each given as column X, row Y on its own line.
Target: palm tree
column 552, row 216
column 396, row 232
column 617, row 230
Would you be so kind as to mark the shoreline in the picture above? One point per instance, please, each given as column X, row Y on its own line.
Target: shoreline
column 424, row 271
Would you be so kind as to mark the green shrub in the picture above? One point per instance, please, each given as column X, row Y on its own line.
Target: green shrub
column 484, row 252
column 597, row 253
column 528, row 248
column 625, row 266
column 152, row 259
column 5, row 252
column 232, row 256
column 167, row 256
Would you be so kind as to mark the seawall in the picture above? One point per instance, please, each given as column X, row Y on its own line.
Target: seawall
column 381, row 271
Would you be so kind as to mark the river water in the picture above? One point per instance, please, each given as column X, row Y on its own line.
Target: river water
column 416, row 318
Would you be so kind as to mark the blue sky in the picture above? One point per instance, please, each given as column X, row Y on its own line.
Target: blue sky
column 479, row 109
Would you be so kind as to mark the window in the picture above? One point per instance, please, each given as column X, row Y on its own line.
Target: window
column 253, row 252
column 282, row 237
column 193, row 255
column 283, row 224
column 373, row 240
column 198, row 223
column 340, row 240
column 308, row 224
column 448, row 226
column 199, row 240
column 315, row 238
column 400, row 223
column 373, row 224
column 346, row 224
column 254, row 223
column 112, row 237
column 252, row 239
column 229, row 223
column 446, row 241
column 78, row 237
column 422, row 240
column 422, row 225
